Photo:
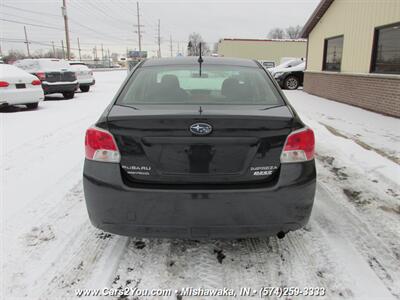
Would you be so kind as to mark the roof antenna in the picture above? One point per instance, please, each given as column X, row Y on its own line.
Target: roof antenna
column 200, row 109
column 200, row 60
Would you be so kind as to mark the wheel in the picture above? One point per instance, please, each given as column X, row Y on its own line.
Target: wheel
column 85, row 88
column 68, row 95
column 291, row 83
column 32, row 105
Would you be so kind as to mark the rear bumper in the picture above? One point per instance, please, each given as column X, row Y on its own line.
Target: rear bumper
column 59, row 88
column 86, row 82
column 21, row 96
column 201, row 213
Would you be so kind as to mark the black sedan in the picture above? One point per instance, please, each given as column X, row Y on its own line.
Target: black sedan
column 199, row 148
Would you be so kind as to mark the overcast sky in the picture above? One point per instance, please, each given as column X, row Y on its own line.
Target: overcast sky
column 112, row 22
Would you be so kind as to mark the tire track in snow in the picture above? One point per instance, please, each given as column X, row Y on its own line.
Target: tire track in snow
column 292, row 261
column 37, row 144
column 305, row 258
column 248, row 263
column 355, row 245
column 54, row 268
column 77, row 263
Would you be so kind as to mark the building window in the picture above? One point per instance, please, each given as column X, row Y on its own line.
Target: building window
column 333, row 49
column 386, row 50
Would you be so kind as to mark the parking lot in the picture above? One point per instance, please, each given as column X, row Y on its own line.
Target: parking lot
column 351, row 246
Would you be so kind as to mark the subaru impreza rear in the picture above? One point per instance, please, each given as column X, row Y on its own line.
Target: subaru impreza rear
column 199, row 148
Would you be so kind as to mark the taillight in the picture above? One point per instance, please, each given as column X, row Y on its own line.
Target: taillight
column 100, row 145
column 36, row 82
column 4, row 84
column 299, row 146
column 41, row 75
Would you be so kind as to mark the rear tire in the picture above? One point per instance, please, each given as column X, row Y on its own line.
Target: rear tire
column 291, row 83
column 32, row 105
column 68, row 95
column 85, row 88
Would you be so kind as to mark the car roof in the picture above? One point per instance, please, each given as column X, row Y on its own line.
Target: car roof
column 207, row 60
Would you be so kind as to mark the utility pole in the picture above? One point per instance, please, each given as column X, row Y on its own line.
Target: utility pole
column 79, row 49
column 138, row 26
column 109, row 59
column 159, row 39
column 170, row 44
column 27, row 42
column 64, row 13
column 54, row 49
column 177, row 51
column 102, row 54
column 63, row 51
column 95, row 52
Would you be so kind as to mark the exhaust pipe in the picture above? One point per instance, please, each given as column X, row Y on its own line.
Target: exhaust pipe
column 280, row 235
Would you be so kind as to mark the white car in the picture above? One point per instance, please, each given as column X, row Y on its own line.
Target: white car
column 285, row 65
column 267, row 63
column 55, row 74
column 83, row 74
column 19, row 87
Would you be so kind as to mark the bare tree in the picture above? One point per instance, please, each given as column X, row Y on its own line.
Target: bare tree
column 13, row 55
column 215, row 48
column 114, row 56
column 293, row 32
column 87, row 56
column 194, row 45
column 276, row 33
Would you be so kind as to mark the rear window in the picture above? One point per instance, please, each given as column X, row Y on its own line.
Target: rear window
column 290, row 63
column 182, row 84
column 54, row 64
column 27, row 65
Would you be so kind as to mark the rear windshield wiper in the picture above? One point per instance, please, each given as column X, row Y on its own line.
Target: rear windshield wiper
column 127, row 106
column 274, row 106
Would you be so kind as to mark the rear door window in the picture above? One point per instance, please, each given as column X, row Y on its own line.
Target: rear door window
column 54, row 64
column 182, row 84
column 27, row 65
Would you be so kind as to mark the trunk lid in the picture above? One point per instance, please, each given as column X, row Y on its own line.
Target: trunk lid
column 157, row 145
column 60, row 76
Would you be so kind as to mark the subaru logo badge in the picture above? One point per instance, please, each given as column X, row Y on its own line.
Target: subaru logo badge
column 200, row 128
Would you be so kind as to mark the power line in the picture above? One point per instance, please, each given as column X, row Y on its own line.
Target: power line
column 60, row 29
column 27, row 19
column 93, row 9
column 31, row 24
column 38, row 43
column 102, row 34
column 30, row 11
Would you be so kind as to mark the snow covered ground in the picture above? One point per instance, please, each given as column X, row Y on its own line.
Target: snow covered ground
column 351, row 246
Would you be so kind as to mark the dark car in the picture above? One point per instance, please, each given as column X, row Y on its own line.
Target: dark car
column 55, row 74
column 290, row 78
column 199, row 150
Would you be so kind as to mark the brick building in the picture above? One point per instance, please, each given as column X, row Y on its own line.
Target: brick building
column 353, row 53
